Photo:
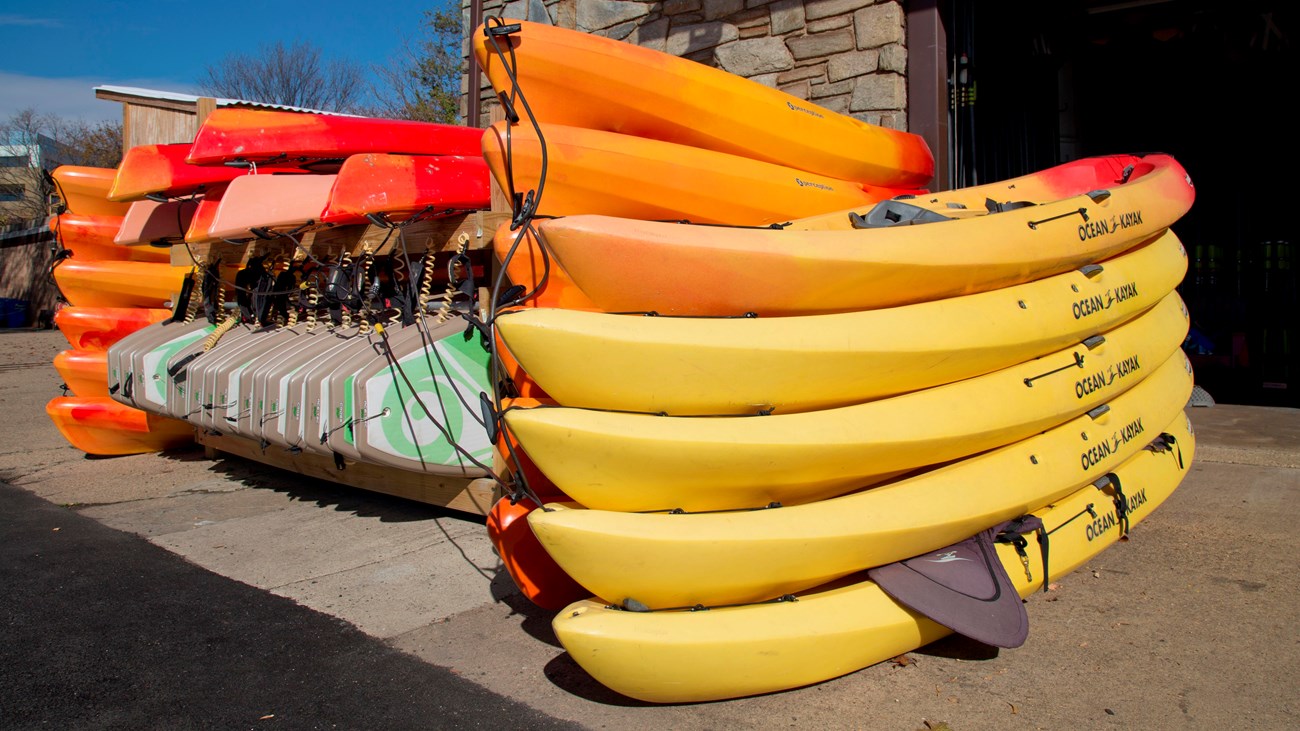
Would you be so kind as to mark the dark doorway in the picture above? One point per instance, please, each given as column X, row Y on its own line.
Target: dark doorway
column 1038, row 83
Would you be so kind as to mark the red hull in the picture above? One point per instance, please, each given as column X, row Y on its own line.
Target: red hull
column 162, row 170
column 400, row 186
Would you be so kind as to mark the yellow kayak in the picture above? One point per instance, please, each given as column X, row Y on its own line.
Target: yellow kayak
column 642, row 462
column 729, row 652
column 1041, row 224
column 584, row 80
column 664, row 560
column 687, row 366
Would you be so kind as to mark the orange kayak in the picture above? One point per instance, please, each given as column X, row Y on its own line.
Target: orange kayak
column 590, row 171
column 204, row 212
column 162, row 170
column 118, row 283
column 101, row 426
column 84, row 371
column 84, row 190
column 91, row 238
column 533, row 570
column 582, row 80
column 258, row 135
column 400, row 186
column 96, row 328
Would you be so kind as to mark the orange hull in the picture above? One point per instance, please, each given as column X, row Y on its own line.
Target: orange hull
column 118, row 283
column 91, row 238
column 583, row 80
column 102, row 426
column 400, row 186
column 84, row 371
column 96, row 328
column 533, row 570
column 611, row 174
column 84, row 190
column 162, row 170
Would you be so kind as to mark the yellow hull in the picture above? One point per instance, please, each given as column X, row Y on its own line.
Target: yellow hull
column 823, row 264
column 583, row 80
column 675, row 560
column 743, row 366
column 728, row 652
column 641, row 462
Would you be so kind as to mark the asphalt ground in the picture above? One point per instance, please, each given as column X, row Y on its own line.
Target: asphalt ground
column 182, row 592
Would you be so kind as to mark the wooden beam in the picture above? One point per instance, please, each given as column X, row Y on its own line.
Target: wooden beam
column 474, row 496
column 205, row 106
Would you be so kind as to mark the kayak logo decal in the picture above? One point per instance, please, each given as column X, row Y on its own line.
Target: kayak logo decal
column 1102, row 302
column 1093, row 456
column 1103, row 524
column 796, row 108
column 810, row 184
column 947, row 557
column 1103, row 378
column 1104, row 226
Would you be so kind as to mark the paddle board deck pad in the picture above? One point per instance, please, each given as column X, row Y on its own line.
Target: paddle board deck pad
column 102, row 426
column 417, row 406
column 400, row 186
column 96, row 328
column 664, row 560
column 642, row 462
column 584, row 80
column 231, row 134
column 714, row 366
column 137, row 364
column 84, row 190
column 728, row 652
column 970, row 240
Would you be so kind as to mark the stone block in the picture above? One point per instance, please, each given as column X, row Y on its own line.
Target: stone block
column 755, row 31
column 750, row 18
column 814, row 9
column 855, row 63
column 825, row 24
column 755, row 56
column 677, row 7
column 879, row 25
column 894, row 58
column 765, row 79
column 838, row 88
column 594, row 15
column 651, row 35
column 787, row 16
column 879, row 92
column 838, row 104
column 693, row 38
column 811, row 71
column 822, row 44
column 714, row 9
column 798, row 89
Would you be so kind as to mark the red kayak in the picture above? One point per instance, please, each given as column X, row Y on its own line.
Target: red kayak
column 255, row 135
column 400, row 186
column 162, row 170
column 96, row 328
column 101, row 426
column 91, row 238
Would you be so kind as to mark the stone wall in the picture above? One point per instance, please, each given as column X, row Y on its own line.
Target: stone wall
column 848, row 56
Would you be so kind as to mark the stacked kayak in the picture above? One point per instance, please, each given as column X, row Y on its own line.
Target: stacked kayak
column 747, row 425
column 349, row 355
column 112, row 291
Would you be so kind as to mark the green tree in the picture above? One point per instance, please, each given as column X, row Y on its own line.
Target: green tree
column 423, row 81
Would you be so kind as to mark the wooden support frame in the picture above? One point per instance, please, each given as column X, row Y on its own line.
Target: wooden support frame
column 473, row 496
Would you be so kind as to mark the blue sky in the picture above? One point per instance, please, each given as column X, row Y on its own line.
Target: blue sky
column 56, row 53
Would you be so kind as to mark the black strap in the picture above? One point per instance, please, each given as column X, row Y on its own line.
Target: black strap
column 1013, row 532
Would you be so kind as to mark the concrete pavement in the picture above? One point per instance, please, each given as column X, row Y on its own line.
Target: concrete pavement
column 1189, row 624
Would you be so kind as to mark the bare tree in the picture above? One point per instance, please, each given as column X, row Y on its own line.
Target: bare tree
column 294, row 75
column 422, row 81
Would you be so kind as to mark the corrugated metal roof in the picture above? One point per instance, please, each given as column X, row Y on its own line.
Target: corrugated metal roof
column 173, row 96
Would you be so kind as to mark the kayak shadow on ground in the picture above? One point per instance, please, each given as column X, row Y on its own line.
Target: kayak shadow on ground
column 958, row 647
column 535, row 621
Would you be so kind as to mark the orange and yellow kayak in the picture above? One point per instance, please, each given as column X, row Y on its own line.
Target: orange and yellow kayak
column 118, row 283
column 84, row 190
column 583, row 80
column 91, row 238
column 85, row 372
column 101, row 426
column 96, row 328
